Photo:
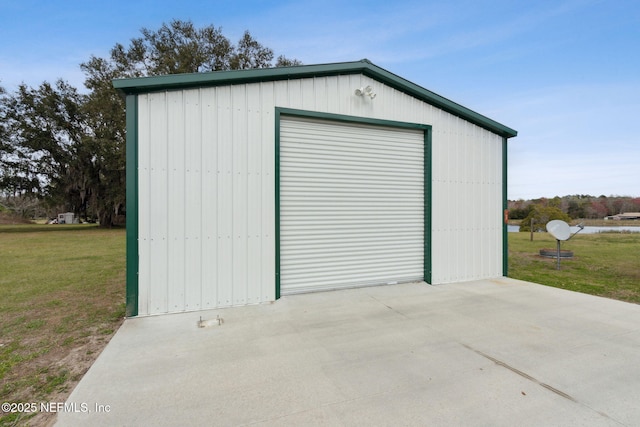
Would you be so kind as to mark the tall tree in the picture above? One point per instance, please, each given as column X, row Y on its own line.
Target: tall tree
column 5, row 147
column 104, row 110
column 45, row 151
column 176, row 47
column 70, row 148
column 250, row 54
column 179, row 47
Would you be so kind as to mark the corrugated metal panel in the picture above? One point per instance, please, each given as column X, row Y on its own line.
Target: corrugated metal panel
column 206, row 183
column 351, row 205
column 206, row 197
column 467, row 200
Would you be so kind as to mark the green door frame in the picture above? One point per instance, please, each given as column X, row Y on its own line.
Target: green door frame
column 427, row 130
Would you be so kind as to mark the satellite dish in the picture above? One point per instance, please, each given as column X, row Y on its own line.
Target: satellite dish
column 559, row 229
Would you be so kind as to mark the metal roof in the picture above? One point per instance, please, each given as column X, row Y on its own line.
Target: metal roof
column 364, row 66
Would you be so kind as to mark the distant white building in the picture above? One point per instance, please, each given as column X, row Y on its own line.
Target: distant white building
column 66, row 218
column 624, row 216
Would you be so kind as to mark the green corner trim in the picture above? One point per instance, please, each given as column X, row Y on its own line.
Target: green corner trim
column 427, row 129
column 505, row 210
column 132, row 206
column 428, row 203
column 277, row 196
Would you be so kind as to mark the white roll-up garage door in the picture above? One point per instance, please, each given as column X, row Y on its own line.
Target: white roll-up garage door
column 351, row 205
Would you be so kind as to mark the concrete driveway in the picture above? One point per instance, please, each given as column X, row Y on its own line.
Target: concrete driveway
column 486, row 353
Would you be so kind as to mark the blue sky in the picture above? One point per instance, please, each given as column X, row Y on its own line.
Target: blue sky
column 564, row 74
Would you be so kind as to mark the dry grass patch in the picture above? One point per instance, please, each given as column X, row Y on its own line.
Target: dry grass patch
column 63, row 299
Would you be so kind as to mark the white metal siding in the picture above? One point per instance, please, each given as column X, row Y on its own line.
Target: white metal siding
column 206, row 188
column 467, row 202
column 206, row 204
column 351, row 205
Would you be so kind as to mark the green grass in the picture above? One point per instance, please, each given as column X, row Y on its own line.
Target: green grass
column 62, row 290
column 604, row 264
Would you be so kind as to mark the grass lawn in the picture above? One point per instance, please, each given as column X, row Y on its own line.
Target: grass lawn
column 62, row 290
column 604, row 264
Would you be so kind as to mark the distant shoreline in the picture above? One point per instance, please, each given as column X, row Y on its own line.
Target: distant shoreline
column 594, row 222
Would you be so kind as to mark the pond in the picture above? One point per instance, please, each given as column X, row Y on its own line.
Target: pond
column 589, row 229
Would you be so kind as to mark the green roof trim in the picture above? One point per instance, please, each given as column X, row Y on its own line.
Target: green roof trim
column 364, row 66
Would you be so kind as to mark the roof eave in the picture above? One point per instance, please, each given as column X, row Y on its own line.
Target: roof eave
column 219, row 78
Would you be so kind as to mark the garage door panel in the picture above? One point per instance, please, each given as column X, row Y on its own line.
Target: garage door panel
column 341, row 281
column 343, row 155
column 351, row 205
column 334, row 170
column 336, row 260
column 345, row 228
column 366, row 180
column 349, row 278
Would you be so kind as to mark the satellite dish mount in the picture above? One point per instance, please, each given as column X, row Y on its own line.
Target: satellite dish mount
column 561, row 231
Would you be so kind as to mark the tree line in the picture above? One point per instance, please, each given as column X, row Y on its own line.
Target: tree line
column 577, row 206
column 62, row 149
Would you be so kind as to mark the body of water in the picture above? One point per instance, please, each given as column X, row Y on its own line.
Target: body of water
column 590, row 229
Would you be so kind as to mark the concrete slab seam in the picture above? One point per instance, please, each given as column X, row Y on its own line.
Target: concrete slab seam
column 536, row 381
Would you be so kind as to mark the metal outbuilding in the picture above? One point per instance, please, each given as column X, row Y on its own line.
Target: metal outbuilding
column 246, row 185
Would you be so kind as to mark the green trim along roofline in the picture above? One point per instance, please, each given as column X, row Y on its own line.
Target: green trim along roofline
column 364, row 66
column 427, row 129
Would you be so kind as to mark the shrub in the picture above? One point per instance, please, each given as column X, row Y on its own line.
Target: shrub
column 541, row 216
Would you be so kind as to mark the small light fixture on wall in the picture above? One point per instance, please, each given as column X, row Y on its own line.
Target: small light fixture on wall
column 365, row 91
